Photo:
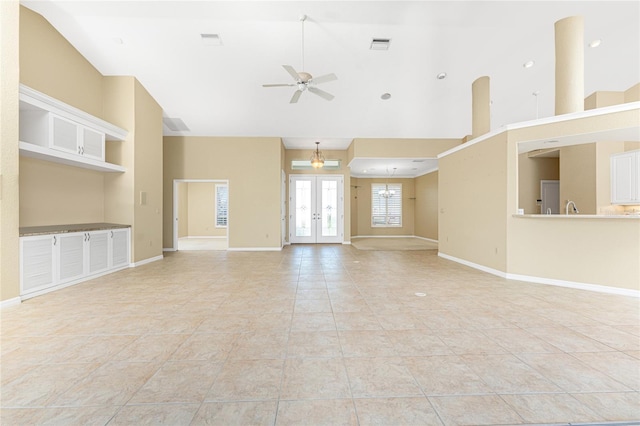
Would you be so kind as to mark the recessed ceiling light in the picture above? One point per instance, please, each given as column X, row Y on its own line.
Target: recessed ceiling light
column 211, row 39
column 380, row 44
column 528, row 64
column 595, row 43
column 441, row 76
column 364, row 171
column 385, row 96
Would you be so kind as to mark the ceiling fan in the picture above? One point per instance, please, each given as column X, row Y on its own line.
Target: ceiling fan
column 303, row 80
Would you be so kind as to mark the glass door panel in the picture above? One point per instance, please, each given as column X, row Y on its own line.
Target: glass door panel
column 329, row 208
column 303, row 208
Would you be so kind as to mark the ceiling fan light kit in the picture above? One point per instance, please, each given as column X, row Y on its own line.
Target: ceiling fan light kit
column 303, row 80
column 317, row 159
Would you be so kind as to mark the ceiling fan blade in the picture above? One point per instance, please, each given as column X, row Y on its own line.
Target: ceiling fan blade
column 321, row 93
column 324, row 78
column 292, row 72
column 278, row 85
column 295, row 97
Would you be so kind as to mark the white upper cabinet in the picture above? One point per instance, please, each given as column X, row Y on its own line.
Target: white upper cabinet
column 625, row 178
column 53, row 131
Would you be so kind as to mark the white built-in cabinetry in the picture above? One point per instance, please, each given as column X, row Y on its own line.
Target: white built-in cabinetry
column 52, row 261
column 51, row 130
column 625, row 178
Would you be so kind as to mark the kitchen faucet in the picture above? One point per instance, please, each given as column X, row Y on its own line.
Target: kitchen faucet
column 571, row 203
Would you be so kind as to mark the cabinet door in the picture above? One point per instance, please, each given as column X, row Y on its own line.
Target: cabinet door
column 623, row 178
column 119, row 248
column 71, row 256
column 36, row 263
column 98, row 251
column 64, row 135
column 92, row 144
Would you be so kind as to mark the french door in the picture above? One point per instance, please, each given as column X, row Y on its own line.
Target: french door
column 316, row 206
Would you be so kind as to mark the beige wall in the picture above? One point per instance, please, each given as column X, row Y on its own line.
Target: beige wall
column 585, row 176
column 364, row 208
column 9, row 163
column 531, row 170
column 119, row 109
column 603, row 252
column 253, row 168
column 603, row 99
column 473, row 203
column 50, row 64
column 147, row 229
column 632, row 94
column 343, row 156
column 426, row 206
column 201, row 210
column 54, row 194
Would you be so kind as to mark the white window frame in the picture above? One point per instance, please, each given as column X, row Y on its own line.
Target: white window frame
column 217, row 187
column 375, row 188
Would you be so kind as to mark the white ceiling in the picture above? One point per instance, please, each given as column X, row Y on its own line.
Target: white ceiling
column 217, row 90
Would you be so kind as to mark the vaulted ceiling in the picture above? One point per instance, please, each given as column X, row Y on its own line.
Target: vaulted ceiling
column 217, row 89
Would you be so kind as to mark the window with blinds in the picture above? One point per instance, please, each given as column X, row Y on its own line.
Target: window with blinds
column 386, row 205
column 222, row 205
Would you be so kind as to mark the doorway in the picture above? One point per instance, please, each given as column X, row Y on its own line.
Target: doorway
column 200, row 214
column 316, row 209
column 550, row 196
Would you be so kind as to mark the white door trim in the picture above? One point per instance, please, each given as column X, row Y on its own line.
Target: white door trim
column 175, row 206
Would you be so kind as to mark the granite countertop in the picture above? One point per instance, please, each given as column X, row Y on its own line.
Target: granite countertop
column 62, row 229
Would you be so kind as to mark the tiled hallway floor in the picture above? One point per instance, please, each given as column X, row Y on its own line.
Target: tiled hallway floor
column 318, row 335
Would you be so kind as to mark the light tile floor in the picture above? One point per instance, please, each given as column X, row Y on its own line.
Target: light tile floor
column 318, row 335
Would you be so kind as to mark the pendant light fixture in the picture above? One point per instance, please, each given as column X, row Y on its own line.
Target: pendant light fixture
column 317, row 159
column 386, row 192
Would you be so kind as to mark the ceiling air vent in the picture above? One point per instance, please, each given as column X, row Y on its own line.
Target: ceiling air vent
column 175, row 124
column 211, row 39
column 380, row 44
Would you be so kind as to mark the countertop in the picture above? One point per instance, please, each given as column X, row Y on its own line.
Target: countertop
column 577, row 216
column 28, row 231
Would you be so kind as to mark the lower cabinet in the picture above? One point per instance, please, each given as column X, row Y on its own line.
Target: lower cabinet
column 49, row 261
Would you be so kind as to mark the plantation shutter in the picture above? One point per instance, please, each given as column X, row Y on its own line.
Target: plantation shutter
column 386, row 205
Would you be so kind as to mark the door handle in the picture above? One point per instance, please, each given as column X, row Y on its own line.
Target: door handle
column 55, row 240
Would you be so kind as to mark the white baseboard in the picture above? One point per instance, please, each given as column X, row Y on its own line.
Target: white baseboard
column 426, row 239
column 145, row 261
column 346, row 242
column 546, row 281
column 205, row 237
column 572, row 284
column 394, row 236
column 254, row 249
column 169, row 249
column 474, row 265
column 10, row 302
